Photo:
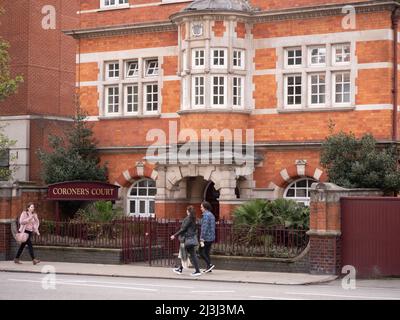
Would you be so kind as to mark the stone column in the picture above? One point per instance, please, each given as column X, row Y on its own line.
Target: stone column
column 325, row 225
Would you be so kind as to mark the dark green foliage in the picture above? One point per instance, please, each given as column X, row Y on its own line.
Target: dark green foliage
column 74, row 157
column 358, row 163
column 280, row 212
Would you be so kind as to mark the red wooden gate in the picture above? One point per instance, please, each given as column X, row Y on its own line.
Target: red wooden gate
column 371, row 235
column 147, row 240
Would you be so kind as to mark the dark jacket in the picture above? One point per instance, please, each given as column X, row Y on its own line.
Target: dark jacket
column 187, row 230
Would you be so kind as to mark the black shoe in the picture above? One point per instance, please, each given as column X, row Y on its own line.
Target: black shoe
column 209, row 268
column 177, row 270
column 196, row 274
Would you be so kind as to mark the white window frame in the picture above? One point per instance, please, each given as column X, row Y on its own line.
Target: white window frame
column 136, row 71
column 107, row 4
column 133, row 85
column 224, row 95
column 107, row 95
column 241, row 60
column 335, row 54
column 310, row 85
column 334, row 92
column 287, row 65
column 310, row 56
column 286, row 97
column 241, row 92
column 196, row 94
column 219, row 50
column 107, row 70
column 145, row 98
column 146, row 199
column 196, row 59
column 306, row 199
column 148, row 67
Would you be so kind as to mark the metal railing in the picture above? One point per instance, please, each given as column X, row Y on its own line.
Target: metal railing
column 148, row 239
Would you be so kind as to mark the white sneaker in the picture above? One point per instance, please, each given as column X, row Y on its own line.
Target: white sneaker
column 177, row 270
column 209, row 268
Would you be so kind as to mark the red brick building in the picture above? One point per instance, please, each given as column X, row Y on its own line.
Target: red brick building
column 285, row 69
column 44, row 102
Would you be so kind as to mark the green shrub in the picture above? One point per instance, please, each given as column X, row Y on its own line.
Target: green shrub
column 262, row 213
column 99, row 212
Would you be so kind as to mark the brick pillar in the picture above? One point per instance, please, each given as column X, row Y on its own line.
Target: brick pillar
column 325, row 226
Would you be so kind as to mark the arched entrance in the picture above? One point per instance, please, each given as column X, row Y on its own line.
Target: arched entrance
column 211, row 195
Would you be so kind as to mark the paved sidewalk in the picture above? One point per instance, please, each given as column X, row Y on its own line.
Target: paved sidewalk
column 137, row 271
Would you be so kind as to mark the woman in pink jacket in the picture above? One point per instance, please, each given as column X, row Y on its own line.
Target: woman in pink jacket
column 29, row 222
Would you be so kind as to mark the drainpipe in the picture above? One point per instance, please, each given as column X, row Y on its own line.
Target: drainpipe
column 395, row 24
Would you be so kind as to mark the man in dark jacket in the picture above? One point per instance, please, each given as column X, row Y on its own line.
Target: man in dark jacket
column 207, row 236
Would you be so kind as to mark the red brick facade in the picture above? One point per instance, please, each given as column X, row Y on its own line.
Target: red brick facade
column 283, row 137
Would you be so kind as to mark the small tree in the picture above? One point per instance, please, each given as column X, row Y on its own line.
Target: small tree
column 8, row 85
column 5, row 145
column 74, row 159
column 358, row 163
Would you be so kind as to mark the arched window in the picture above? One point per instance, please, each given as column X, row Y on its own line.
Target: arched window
column 141, row 198
column 299, row 191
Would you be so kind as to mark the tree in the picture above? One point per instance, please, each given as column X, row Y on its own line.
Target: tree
column 5, row 145
column 74, row 156
column 8, row 85
column 358, row 163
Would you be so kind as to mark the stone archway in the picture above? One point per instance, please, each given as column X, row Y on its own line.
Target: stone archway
column 173, row 184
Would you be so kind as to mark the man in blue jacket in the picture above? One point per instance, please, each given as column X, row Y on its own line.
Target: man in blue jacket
column 207, row 235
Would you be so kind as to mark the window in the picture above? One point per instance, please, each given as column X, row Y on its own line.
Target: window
column 112, row 100
column 238, row 59
column 341, row 54
column 218, row 90
column 238, row 91
column 132, row 98
column 112, row 70
column 218, row 58
column 114, row 3
column 132, row 69
column 199, row 91
column 141, row 198
column 151, row 98
column 299, row 191
column 4, row 164
column 293, row 90
column 341, row 83
column 198, row 58
column 151, row 68
column 294, row 57
column 317, row 87
column 317, row 56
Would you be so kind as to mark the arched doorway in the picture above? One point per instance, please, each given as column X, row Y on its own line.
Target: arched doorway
column 211, row 195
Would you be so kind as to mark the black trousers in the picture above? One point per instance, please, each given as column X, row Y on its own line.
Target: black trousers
column 205, row 252
column 193, row 257
column 29, row 244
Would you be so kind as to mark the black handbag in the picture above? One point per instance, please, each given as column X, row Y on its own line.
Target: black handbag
column 191, row 241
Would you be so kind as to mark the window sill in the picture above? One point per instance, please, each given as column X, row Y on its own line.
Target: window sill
column 214, row 110
column 321, row 109
column 129, row 117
